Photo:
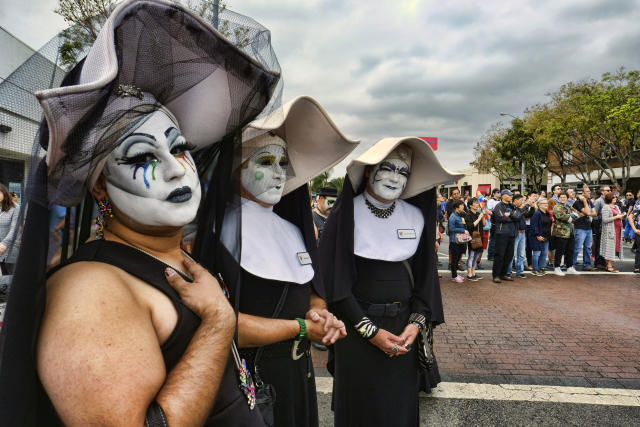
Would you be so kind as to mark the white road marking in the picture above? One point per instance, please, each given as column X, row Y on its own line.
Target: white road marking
column 517, row 392
column 550, row 273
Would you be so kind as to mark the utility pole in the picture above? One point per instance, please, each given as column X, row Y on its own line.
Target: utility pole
column 522, row 174
column 216, row 5
column 522, row 178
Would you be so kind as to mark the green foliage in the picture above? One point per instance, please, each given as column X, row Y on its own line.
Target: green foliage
column 320, row 181
column 586, row 126
column 86, row 17
column 337, row 183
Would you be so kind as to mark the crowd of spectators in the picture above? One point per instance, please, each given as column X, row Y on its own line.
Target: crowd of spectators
column 537, row 233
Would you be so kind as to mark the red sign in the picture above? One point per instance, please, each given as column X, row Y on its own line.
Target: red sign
column 431, row 140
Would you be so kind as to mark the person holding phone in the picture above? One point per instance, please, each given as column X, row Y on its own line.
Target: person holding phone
column 540, row 232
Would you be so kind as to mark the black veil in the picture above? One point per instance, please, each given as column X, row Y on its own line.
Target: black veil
column 337, row 259
column 254, row 89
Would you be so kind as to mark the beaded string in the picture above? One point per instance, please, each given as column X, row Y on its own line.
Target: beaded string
column 104, row 208
column 378, row 212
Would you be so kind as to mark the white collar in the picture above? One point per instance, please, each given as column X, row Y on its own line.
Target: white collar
column 395, row 238
column 375, row 202
column 271, row 246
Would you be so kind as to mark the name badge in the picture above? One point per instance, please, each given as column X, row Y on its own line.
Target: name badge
column 408, row 233
column 304, row 258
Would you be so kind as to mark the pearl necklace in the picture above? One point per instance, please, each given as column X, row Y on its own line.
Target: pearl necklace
column 378, row 212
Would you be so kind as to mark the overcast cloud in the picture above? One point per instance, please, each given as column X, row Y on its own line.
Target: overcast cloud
column 425, row 68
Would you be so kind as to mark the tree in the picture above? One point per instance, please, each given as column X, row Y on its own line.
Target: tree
column 519, row 145
column 487, row 154
column 589, row 128
column 86, row 18
column 602, row 119
column 337, row 183
column 320, row 181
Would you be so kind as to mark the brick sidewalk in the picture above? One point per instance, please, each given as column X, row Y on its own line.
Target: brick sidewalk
column 582, row 331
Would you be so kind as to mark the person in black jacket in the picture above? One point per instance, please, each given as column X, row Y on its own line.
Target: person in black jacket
column 506, row 218
column 519, row 252
column 474, row 220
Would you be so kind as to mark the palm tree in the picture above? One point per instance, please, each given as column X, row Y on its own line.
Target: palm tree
column 319, row 181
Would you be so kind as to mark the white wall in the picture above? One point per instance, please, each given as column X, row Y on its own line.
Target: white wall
column 14, row 53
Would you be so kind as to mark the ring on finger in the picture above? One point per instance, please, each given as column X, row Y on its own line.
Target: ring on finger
column 394, row 349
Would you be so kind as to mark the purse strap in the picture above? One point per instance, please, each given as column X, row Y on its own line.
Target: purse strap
column 408, row 267
column 260, row 350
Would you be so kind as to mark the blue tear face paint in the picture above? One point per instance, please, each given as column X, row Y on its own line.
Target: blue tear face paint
column 151, row 177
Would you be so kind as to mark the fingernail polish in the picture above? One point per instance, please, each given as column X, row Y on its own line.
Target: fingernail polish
column 169, row 272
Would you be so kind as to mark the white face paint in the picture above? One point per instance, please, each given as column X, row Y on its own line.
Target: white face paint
column 389, row 178
column 151, row 177
column 265, row 173
column 327, row 203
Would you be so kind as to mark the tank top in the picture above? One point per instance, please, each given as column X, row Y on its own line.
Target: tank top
column 230, row 407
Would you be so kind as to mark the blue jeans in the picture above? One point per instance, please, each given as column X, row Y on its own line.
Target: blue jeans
column 628, row 231
column 583, row 240
column 540, row 257
column 519, row 246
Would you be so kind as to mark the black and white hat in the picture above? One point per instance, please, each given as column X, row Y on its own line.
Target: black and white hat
column 150, row 53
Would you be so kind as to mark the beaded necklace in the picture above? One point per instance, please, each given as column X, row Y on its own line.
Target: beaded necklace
column 378, row 212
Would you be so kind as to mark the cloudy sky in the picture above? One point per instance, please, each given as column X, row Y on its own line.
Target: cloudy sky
column 421, row 67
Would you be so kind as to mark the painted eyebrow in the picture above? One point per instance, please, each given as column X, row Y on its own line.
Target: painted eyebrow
column 135, row 138
column 172, row 134
column 266, row 152
column 394, row 167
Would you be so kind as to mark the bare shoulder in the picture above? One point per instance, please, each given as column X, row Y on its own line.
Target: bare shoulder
column 86, row 280
column 98, row 355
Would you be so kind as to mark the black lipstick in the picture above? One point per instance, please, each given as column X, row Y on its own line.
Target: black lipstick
column 179, row 195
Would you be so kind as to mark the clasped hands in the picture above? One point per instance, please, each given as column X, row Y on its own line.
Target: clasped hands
column 324, row 327
column 393, row 345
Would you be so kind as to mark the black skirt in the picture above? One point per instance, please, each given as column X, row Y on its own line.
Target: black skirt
column 370, row 388
column 296, row 402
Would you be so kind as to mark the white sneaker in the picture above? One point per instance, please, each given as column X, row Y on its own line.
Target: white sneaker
column 572, row 270
column 558, row 271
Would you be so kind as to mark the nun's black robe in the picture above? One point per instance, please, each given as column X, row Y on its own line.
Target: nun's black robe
column 370, row 388
column 294, row 381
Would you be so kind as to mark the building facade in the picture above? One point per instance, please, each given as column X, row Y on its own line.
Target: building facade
column 23, row 71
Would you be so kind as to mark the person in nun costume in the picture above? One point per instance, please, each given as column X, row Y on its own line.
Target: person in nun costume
column 378, row 265
column 276, row 286
column 129, row 329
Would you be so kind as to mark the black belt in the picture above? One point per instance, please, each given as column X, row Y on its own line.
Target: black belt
column 384, row 310
column 276, row 350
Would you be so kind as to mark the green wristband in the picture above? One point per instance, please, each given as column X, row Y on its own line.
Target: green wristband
column 303, row 329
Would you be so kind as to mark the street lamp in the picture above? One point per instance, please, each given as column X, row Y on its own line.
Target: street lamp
column 522, row 162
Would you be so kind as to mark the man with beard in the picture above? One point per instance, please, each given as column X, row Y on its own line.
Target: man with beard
column 324, row 202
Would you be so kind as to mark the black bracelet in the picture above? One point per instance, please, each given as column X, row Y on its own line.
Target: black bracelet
column 366, row 328
column 155, row 416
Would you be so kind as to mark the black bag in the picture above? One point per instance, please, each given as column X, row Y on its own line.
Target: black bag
column 425, row 336
column 425, row 347
column 265, row 401
column 266, row 393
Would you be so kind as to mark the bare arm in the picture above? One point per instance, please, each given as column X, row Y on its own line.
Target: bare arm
column 256, row 331
column 322, row 326
column 480, row 218
column 632, row 223
column 100, row 361
column 192, row 385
